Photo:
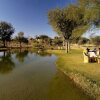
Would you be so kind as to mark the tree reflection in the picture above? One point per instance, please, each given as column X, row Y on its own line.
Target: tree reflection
column 42, row 53
column 21, row 55
column 6, row 63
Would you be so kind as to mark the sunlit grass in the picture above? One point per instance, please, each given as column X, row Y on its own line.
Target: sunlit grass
column 74, row 62
column 86, row 76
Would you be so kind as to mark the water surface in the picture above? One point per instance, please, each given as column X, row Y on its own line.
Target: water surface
column 28, row 75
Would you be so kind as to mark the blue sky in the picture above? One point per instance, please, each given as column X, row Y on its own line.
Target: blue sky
column 30, row 16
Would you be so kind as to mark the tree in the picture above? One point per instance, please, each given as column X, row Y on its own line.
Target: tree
column 25, row 40
column 64, row 21
column 6, row 31
column 20, row 38
column 96, row 40
column 58, row 41
column 74, row 20
column 44, row 39
column 83, row 40
column 91, row 11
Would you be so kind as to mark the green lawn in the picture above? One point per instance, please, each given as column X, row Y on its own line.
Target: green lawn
column 86, row 76
column 74, row 62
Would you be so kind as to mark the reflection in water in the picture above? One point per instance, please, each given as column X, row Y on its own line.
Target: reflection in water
column 37, row 79
column 42, row 53
column 6, row 63
column 21, row 55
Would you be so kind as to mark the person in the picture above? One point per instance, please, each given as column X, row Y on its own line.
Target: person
column 86, row 56
column 95, row 50
column 87, row 50
column 92, row 56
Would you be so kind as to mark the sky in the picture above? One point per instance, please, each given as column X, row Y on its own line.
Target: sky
column 92, row 31
column 30, row 16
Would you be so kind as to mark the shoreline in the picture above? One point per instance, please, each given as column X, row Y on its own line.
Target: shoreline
column 84, row 84
column 89, row 86
column 5, row 48
column 81, row 78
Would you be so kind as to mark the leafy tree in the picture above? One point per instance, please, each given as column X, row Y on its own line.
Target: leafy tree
column 91, row 11
column 44, row 39
column 58, row 41
column 6, row 31
column 71, row 22
column 83, row 40
column 75, row 40
column 20, row 38
column 25, row 40
column 64, row 21
column 43, row 36
column 96, row 40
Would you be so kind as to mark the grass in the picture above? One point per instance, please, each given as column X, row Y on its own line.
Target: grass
column 3, row 48
column 73, row 63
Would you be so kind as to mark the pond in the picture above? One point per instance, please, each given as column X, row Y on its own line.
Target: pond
column 31, row 75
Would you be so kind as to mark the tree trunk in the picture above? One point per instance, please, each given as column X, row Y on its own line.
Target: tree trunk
column 63, row 43
column 67, row 46
column 20, row 45
column 4, row 43
column 4, row 54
